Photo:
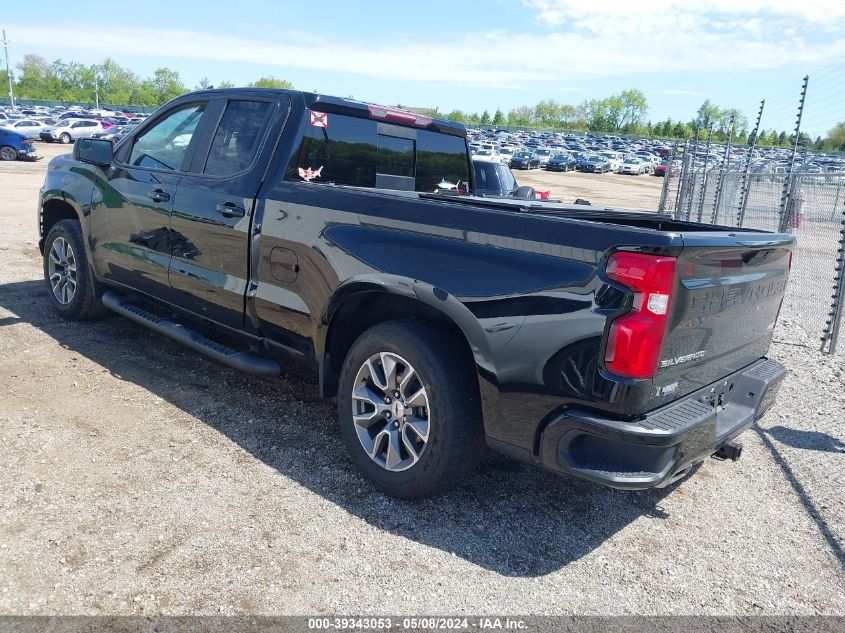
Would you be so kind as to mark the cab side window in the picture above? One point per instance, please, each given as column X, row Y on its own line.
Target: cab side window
column 165, row 144
column 238, row 137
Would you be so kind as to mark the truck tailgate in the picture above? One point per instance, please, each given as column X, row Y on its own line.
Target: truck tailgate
column 726, row 302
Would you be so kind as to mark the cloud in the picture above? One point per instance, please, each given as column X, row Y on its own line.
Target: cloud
column 578, row 40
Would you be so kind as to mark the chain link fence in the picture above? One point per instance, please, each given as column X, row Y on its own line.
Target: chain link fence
column 728, row 195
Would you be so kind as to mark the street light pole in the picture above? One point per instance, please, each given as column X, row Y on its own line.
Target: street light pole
column 8, row 72
column 96, row 91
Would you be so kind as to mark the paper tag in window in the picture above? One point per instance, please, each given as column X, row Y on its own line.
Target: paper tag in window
column 309, row 174
column 319, row 119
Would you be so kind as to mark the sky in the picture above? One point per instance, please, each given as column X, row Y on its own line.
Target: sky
column 474, row 55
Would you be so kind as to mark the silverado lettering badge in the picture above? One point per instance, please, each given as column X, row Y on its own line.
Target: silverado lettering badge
column 309, row 174
column 670, row 362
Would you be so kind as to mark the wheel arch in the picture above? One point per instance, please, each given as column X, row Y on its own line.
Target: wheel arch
column 54, row 209
column 366, row 301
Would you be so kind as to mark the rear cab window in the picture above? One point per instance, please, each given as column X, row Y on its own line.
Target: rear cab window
column 362, row 152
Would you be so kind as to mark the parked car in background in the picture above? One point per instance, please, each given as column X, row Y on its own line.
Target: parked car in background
column 27, row 127
column 544, row 154
column 525, row 160
column 632, row 166
column 69, row 130
column 662, row 169
column 14, row 145
column 115, row 133
column 597, row 165
column 496, row 180
column 562, row 161
column 488, row 154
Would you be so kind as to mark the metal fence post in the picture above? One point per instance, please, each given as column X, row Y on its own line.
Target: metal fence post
column 746, row 182
column 704, row 176
column 683, row 179
column 786, row 195
column 661, row 206
column 726, row 165
column 830, row 334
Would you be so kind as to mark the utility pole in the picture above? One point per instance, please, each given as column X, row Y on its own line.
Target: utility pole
column 96, row 91
column 8, row 72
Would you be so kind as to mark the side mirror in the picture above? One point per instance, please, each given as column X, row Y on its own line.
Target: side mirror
column 96, row 151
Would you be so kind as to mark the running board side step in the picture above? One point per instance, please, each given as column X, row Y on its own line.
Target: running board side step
column 243, row 361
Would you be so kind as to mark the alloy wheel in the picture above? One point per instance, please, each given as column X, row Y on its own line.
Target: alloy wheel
column 61, row 268
column 390, row 411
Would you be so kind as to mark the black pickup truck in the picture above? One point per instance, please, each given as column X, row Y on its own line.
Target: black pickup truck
column 269, row 226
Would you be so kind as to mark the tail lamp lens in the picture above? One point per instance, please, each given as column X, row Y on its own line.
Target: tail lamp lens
column 635, row 339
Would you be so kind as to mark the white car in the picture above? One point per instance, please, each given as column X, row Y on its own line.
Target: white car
column 28, row 127
column 544, row 154
column 632, row 166
column 68, row 130
column 488, row 154
column 615, row 159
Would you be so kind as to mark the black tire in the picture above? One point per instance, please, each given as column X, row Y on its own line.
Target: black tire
column 85, row 303
column 65, row 138
column 446, row 369
column 7, row 152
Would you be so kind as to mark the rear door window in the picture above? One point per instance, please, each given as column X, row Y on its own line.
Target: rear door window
column 238, row 137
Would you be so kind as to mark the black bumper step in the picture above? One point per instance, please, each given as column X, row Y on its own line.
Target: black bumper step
column 244, row 361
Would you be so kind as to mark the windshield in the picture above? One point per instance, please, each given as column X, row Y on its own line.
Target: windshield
column 523, row 155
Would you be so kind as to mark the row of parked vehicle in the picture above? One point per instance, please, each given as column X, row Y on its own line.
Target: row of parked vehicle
column 19, row 127
column 567, row 152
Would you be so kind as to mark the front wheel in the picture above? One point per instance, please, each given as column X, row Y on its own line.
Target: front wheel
column 65, row 138
column 409, row 409
column 8, row 152
column 69, row 278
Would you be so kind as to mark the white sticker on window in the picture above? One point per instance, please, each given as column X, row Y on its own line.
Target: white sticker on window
column 309, row 174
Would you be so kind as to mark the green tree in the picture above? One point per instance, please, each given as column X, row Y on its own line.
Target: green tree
column 707, row 114
column 456, row 115
column 485, row 118
column 521, row 116
column 271, row 82
column 204, row 84
column 32, row 72
column 499, row 118
column 225, row 84
column 634, row 108
column 835, row 140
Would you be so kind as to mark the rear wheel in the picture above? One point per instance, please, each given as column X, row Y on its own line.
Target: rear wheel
column 8, row 153
column 69, row 278
column 409, row 409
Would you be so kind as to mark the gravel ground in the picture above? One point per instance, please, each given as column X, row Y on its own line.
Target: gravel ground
column 140, row 478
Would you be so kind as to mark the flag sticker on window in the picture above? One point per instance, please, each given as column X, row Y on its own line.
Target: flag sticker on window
column 319, row 119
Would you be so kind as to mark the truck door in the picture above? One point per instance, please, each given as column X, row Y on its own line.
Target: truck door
column 213, row 207
column 130, row 217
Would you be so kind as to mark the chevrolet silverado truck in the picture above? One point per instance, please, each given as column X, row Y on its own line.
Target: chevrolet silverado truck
column 270, row 227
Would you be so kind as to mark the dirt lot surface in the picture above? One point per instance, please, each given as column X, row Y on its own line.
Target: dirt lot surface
column 611, row 190
column 140, row 478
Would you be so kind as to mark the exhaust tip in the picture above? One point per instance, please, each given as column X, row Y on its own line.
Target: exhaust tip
column 729, row 450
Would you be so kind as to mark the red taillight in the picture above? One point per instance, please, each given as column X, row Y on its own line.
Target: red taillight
column 398, row 116
column 635, row 339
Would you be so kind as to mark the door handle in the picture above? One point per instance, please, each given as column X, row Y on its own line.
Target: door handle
column 157, row 195
column 230, row 210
